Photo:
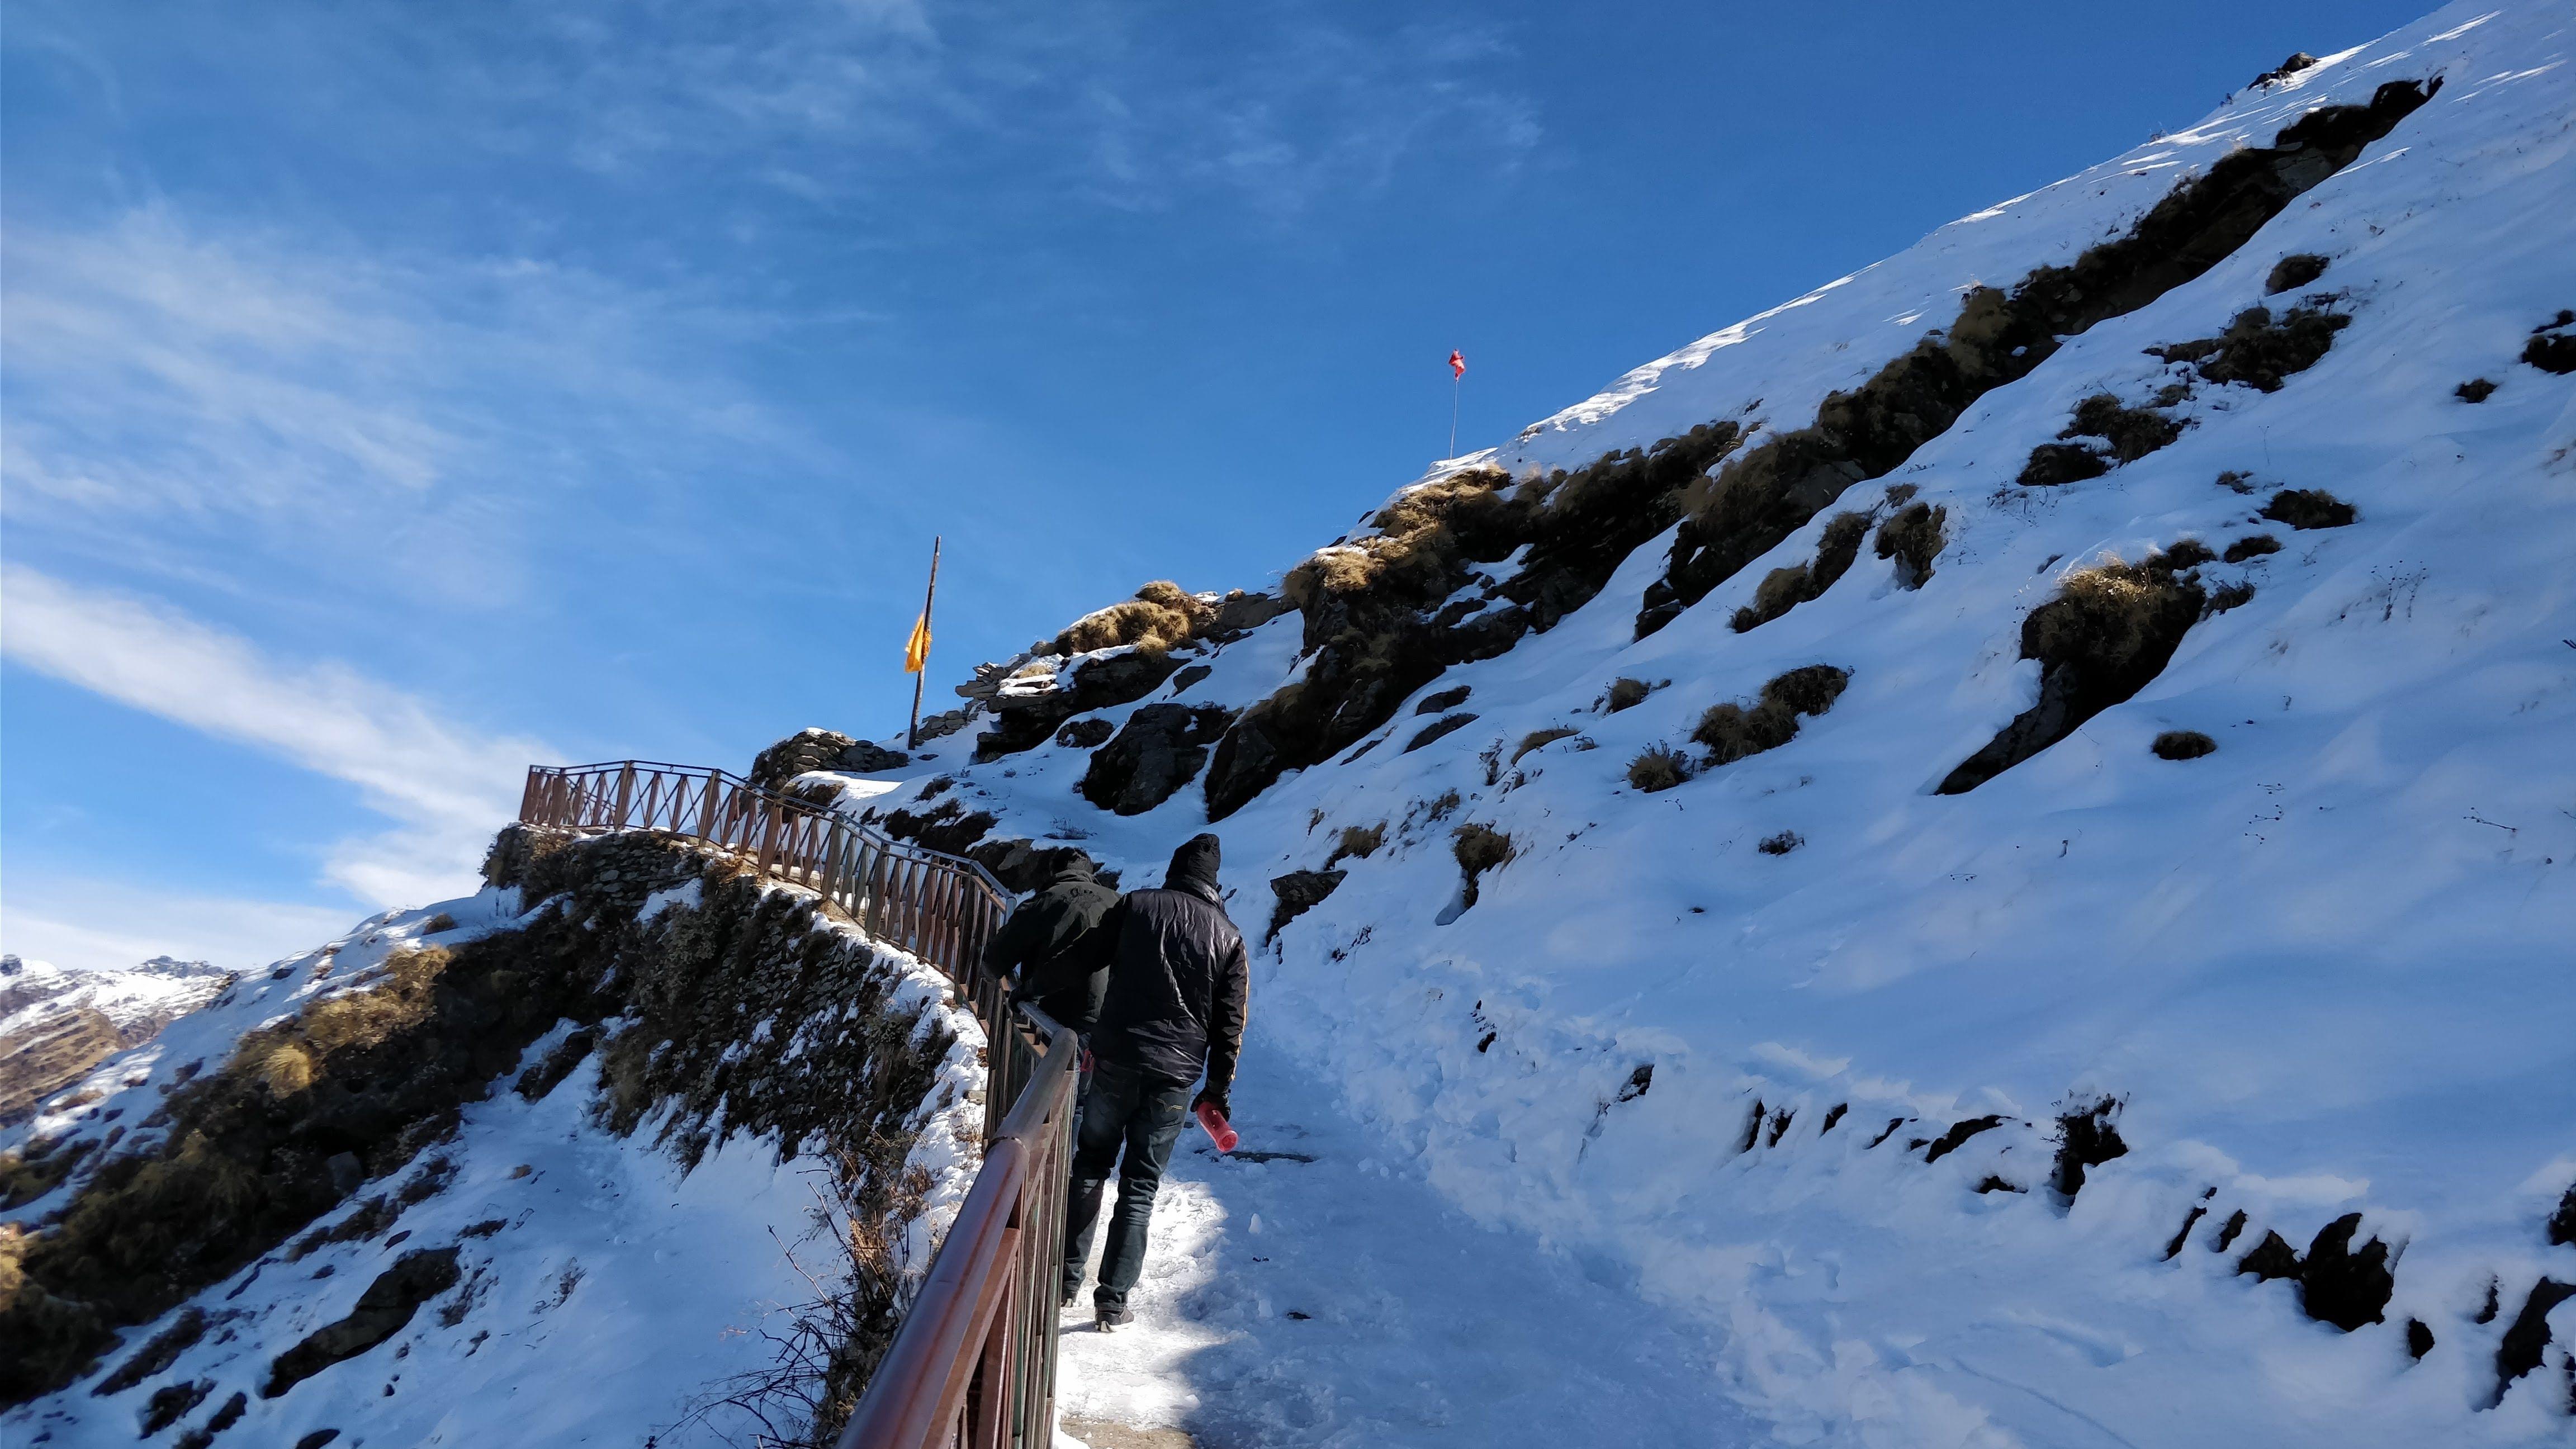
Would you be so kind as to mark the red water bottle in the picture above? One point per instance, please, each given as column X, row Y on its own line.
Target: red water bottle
column 1219, row 1131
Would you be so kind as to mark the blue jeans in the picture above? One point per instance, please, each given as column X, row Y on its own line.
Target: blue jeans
column 1122, row 1109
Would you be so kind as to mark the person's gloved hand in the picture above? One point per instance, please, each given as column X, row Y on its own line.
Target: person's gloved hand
column 1213, row 1097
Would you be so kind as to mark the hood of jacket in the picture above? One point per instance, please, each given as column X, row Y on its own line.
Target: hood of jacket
column 1194, row 868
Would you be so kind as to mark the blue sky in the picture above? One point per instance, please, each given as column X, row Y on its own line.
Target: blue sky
column 393, row 395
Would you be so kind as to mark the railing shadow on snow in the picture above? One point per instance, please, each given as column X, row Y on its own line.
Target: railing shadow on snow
column 973, row 1365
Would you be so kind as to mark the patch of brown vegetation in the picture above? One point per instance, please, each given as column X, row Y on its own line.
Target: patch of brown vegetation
column 1784, row 589
column 2305, row 508
column 2108, row 632
column 2133, row 433
column 1730, row 732
column 1479, row 848
column 2252, row 545
column 1658, row 767
column 2259, row 349
column 2292, row 272
column 1357, row 840
column 2475, row 390
column 1540, row 739
column 1162, row 617
column 2183, row 745
column 1913, row 538
column 1625, row 693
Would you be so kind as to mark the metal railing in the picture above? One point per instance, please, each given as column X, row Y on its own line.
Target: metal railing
column 940, row 907
column 973, row 1366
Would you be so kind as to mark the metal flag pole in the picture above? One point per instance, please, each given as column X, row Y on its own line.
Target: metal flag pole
column 912, row 732
column 1455, row 379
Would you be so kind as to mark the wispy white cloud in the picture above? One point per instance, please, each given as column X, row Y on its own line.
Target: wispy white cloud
column 447, row 786
column 90, row 924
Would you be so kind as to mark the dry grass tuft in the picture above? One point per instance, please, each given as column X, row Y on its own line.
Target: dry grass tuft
column 2183, row 745
column 1539, row 739
column 2253, row 545
column 2133, row 433
column 2309, row 508
column 2475, row 390
column 1625, row 693
column 1732, row 731
column 1414, row 543
column 1479, row 848
column 1658, row 767
column 1361, row 841
column 1160, row 618
column 1913, row 538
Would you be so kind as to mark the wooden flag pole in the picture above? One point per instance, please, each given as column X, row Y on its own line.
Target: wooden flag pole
column 912, row 732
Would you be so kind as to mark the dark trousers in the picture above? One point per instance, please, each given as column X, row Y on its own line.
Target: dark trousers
column 1122, row 1109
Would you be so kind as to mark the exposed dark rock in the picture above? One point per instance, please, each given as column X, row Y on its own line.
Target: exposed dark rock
column 2086, row 1139
column 381, row 1311
column 2252, row 545
column 2182, row 1234
column 2344, row 1286
column 168, row 1404
column 1084, row 734
column 2475, row 390
column 1444, row 700
column 2419, row 1338
column 1024, row 721
column 2308, row 508
column 1299, row 891
column 819, row 749
column 2286, row 69
column 2109, row 631
column 540, row 1079
column 1157, row 751
column 2524, row 1341
column 2271, row 1258
column 1949, row 1141
column 1998, row 338
column 2294, row 271
column 2228, row 1231
column 1437, row 729
column 1782, row 843
column 2561, row 1227
column 1239, row 613
column 2552, row 352
column 158, row 1354
column 1188, row 676
column 317, row 1439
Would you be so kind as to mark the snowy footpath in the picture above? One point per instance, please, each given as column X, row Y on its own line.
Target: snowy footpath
column 1312, row 1290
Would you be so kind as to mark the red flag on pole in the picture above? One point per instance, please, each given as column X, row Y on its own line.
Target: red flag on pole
column 1457, row 365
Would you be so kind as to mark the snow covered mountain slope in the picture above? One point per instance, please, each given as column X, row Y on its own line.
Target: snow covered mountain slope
column 626, row 1148
column 55, row 1025
column 2015, row 857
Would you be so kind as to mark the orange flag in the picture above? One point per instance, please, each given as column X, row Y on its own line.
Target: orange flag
column 916, row 650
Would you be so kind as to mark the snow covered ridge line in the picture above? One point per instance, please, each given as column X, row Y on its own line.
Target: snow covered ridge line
column 56, row 1025
column 765, row 1046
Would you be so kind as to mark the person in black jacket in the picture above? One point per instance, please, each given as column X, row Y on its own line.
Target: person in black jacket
column 1179, row 988
column 1052, row 926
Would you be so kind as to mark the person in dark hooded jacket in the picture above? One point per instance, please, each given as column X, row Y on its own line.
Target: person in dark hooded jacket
column 1053, row 927
column 1179, row 989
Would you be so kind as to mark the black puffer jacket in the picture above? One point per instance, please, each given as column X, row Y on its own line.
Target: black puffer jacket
column 1045, row 940
column 1179, row 985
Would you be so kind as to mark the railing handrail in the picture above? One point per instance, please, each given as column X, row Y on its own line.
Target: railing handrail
column 965, row 863
column 920, row 1389
column 973, row 1363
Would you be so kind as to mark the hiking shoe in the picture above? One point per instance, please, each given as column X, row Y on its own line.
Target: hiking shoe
column 1111, row 1315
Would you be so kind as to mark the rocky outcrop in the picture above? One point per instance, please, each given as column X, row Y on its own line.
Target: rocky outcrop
column 820, row 749
column 381, row 1312
column 1032, row 704
column 1160, row 749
